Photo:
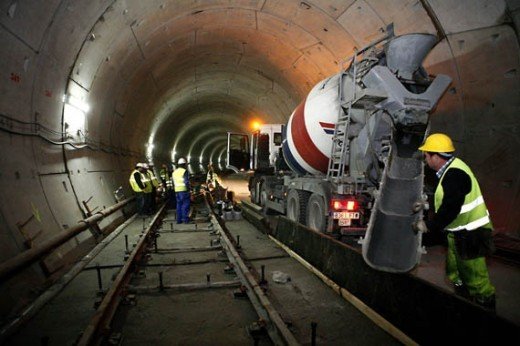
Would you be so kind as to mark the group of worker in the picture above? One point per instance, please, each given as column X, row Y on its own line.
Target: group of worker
column 174, row 183
column 145, row 185
column 176, row 187
column 460, row 212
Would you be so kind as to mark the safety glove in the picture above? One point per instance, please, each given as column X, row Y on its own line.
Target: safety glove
column 419, row 226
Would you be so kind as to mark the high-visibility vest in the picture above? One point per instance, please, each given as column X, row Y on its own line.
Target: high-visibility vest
column 474, row 213
column 153, row 178
column 166, row 177
column 133, row 182
column 144, row 180
column 178, row 180
column 212, row 178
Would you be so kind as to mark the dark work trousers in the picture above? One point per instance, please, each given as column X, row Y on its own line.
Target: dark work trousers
column 147, row 203
column 153, row 202
column 183, row 206
column 171, row 200
column 139, row 198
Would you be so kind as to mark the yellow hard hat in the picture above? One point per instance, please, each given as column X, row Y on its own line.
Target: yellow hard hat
column 438, row 143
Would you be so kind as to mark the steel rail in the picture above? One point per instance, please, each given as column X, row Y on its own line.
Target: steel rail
column 31, row 310
column 100, row 322
column 276, row 327
column 24, row 259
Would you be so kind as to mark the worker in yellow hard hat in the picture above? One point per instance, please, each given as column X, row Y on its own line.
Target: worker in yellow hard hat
column 461, row 212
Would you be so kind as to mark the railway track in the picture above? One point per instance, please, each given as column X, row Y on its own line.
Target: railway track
column 209, row 282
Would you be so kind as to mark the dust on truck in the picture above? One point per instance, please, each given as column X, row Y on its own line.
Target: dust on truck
column 346, row 161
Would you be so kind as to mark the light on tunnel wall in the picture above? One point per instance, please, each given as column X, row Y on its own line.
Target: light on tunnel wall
column 201, row 159
column 78, row 103
column 149, row 150
column 74, row 119
column 75, row 109
column 174, row 154
column 188, row 159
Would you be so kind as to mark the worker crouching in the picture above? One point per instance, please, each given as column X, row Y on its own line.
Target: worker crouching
column 460, row 211
column 181, row 185
column 214, row 184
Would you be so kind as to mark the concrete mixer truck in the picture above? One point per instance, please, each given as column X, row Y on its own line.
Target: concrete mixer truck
column 346, row 162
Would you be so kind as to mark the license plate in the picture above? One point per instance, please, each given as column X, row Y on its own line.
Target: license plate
column 345, row 215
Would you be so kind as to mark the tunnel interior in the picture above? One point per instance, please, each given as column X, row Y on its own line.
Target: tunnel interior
column 89, row 88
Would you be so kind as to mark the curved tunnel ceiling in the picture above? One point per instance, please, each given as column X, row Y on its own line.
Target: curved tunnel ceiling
column 180, row 74
column 229, row 61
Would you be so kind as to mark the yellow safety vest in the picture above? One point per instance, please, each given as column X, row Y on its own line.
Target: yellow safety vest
column 178, row 180
column 153, row 178
column 212, row 179
column 144, row 180
column 474, row 213
column 165, row 176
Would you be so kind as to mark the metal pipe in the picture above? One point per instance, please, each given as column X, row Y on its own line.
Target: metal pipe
column 107, row 308
column 22, row 260
column 31, row 310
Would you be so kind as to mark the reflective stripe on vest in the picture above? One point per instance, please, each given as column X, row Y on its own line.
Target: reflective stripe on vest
column 133, row 183
column 473, row 213
column 178, row 180
column 144, row 179
column 212, row 178
column 153, row 179
column 147, row 183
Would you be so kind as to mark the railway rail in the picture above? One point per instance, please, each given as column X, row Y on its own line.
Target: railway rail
column 209, row 282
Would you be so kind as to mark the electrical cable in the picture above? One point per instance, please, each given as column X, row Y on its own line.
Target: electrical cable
column 6, row 125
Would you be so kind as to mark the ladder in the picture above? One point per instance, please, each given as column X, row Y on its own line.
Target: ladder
column 340, row 142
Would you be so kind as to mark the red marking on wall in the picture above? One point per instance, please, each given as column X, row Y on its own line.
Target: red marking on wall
column 48, row 93
column 15, row 77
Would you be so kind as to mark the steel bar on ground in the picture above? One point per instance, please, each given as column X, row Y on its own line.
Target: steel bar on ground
column 13, row 265
column 276, row 327
column 103, row 316
column 187, row 230
column 183, row 287
column 356, row 302
column 189, row 249
column 31, row 310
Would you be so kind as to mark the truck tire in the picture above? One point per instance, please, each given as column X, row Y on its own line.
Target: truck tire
column 255, row 194
column 317, row 213
column 263, row 197
column 297, row 205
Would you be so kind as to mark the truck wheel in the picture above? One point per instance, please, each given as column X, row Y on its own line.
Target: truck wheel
column 263, row 197
column 254, row 193
column 297, row 205
column 316, row 213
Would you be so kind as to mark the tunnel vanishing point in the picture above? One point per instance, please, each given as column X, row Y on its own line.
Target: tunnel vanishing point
column 89, row 88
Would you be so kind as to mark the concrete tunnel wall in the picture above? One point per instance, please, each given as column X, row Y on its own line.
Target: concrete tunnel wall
column 180, row 74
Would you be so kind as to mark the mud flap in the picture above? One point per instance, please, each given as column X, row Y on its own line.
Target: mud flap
column 390, row 243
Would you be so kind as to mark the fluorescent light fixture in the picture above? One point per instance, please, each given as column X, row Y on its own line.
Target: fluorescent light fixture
column 78, row 103
column 74, row 119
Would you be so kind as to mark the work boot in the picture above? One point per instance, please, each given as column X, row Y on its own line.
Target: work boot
column 461, row 290
column 488, row 303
